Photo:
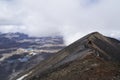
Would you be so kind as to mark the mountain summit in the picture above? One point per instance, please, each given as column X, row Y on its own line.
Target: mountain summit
column 93, row 57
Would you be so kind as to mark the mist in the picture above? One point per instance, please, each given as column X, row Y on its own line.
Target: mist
column 70, row 18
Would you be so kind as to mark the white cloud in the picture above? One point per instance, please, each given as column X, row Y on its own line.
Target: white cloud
column 72, row 18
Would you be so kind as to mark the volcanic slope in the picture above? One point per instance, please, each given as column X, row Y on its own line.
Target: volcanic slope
column 93, row 57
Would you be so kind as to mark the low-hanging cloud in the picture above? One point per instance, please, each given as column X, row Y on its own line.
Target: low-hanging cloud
column 70, row 18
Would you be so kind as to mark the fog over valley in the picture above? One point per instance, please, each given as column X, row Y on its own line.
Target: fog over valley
column 70, row 18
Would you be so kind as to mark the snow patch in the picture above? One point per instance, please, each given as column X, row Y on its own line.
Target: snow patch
column 22, row 77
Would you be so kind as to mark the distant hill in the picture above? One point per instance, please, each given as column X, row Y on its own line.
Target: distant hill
column 19, row 52
column 21, row 40
column 93, row 57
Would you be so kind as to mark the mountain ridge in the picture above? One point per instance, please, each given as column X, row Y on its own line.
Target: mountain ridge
column 94, row 44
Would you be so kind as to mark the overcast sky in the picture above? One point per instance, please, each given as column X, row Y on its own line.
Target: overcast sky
column 70, row 18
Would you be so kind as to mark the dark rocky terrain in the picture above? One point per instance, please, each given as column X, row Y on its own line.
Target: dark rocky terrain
column 93, row 57
column 19, row 52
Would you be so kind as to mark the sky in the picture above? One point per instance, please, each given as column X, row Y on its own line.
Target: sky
column 70, row 18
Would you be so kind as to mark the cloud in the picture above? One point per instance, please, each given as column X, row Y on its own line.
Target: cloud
column 71, row 18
